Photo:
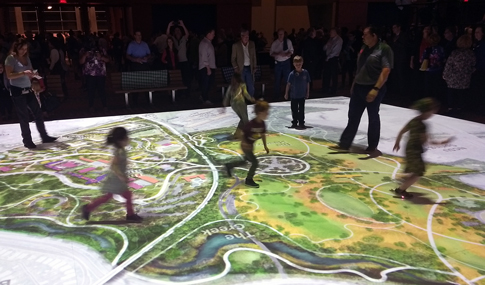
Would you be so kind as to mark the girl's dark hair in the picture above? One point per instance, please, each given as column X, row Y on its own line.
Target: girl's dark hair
column 116, row 135
column 17, row 45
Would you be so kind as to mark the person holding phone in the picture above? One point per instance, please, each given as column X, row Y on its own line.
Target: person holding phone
column 19, row 73
column 94, row 70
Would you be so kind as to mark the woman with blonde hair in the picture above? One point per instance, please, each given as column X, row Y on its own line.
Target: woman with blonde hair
column 458, row 73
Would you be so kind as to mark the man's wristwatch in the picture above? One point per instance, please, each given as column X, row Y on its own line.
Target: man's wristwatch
column 376, row 88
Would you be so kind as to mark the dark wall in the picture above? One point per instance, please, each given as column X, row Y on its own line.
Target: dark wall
column 196, row 17
column 382, row 14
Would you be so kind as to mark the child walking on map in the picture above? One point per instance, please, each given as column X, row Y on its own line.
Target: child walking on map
column 235, row 97
column 116, row 181
column 252, row 131
column 298, row 86
column 418, row 136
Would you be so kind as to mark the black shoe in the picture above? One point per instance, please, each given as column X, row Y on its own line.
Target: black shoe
column 250, row 182
column 48, row 139
column 134, row 218
column 293, row 126
column 301, row 126
column 228, row 170
column 403, row 193
column 30, row 145
column 85, row 213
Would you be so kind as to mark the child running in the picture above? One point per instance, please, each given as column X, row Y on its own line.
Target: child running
column 235, row 95
column 117, row 180
column 298, row 87
column 252, row 131
column 418, row 136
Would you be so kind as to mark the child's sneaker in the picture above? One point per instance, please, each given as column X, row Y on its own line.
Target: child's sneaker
column 403, row 193
column 134, row 218
column 250, row 182
column 228, row 170
column 85, row 213
column 406, row 194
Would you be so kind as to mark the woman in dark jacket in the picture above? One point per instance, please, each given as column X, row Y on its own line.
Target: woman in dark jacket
column 169, row 55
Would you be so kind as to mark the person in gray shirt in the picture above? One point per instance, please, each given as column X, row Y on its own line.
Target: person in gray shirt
column 19, row 73
column 330, row 70
column 207, row 65
column 374, row 65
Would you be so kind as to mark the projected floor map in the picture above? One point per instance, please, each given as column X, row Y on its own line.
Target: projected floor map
column 319, row 217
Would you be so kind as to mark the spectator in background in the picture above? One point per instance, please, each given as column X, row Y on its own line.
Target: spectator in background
column 193, row 53
column 331, row 64
column 170, row 55
column 421, row 44
column 243, row 59
column 181, row 40
column 399, row 45
column 478, row 78
column 281, row 50
column 73, row 49
column 449, row 41
column 94, row 69
column 310, row 52
column 138, row 53
column 3, row 48
column 353, row 46
column 5, row 100
column 458, row 72
column 161, row 41
column 207, row 65
column 102, row 42
column 433, row 62
column 221, row 52
column 56, row 66
column 117, row 51
column 35, row 50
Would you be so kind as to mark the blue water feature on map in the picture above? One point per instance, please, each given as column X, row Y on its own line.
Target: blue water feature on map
column 104, row 243
column 217, row 241
column 209, row 250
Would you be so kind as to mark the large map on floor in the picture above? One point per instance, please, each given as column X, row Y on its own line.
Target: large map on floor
column 319, row 216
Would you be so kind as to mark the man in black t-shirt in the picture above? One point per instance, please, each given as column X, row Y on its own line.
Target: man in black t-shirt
column 253, row 130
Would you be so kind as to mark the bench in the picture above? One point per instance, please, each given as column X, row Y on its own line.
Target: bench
column 54, row 85
column 147, row 81
column 220, row 81
column 264, row 78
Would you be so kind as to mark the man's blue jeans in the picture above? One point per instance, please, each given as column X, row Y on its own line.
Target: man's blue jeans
column 247, row 77
column 281, row 69
column 357, row 106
